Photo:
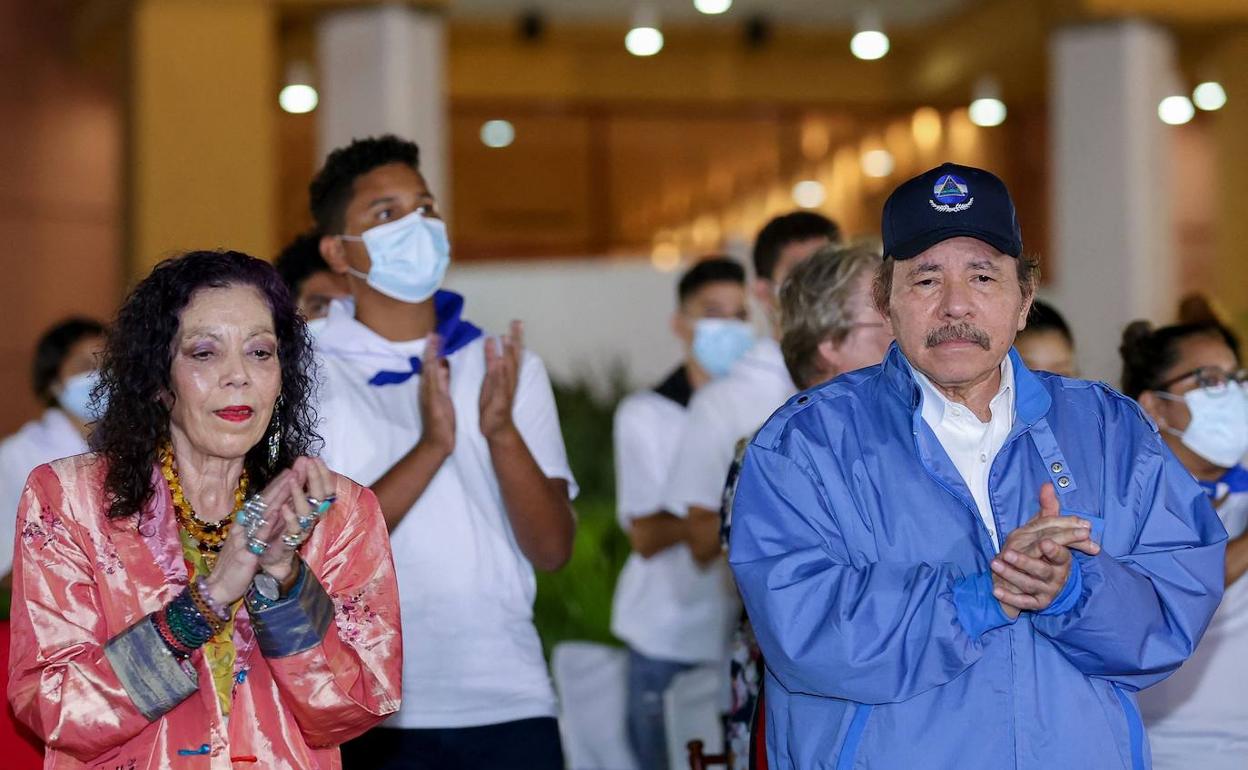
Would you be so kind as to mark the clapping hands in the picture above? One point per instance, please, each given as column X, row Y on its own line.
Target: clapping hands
column 1034, row 562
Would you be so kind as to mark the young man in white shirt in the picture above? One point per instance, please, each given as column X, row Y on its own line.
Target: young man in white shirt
column 671, row 613
column 735, row 406
column 458, row 436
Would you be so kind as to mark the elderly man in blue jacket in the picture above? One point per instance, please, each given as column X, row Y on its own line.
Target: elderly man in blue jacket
column 951, row 561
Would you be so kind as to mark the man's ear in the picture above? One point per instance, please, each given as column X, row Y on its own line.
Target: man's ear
column 333, row 253
column 1026, row 311
column 682, row 328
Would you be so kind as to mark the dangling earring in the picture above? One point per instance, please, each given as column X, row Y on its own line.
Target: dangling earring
column 275, row 435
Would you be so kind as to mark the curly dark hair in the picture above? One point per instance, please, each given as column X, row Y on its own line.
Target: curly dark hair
column 331, row 188
column 135, row 373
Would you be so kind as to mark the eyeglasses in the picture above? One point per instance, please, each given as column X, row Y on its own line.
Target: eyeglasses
column 1212, row 377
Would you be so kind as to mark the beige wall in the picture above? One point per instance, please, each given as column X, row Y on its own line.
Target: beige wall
column 203, row 171
column 60, row 199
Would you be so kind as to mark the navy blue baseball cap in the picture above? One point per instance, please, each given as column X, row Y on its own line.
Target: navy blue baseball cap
column 945, row 202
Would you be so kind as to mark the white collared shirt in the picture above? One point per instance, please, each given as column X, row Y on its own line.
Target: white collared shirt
column 721, row 413
column 972, row 445
column 665, row 607
column 51, row 437
column 471, row 655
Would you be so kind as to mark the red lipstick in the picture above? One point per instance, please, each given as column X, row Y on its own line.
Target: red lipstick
column 235, row 413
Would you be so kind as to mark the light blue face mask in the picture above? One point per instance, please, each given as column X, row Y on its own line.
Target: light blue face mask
column 409, row 257
column 719, row 342
column 75, row 396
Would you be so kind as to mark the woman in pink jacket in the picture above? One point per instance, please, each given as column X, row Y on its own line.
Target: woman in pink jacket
column 198, row 592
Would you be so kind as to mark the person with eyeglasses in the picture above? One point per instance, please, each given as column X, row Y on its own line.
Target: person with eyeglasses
column 1190, row 380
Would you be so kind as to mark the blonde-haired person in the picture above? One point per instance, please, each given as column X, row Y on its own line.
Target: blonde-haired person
column 828, row 326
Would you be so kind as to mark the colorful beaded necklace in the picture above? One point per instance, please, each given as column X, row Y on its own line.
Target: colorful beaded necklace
column 208, row 537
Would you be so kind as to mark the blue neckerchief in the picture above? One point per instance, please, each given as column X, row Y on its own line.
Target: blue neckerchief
column 1234, row 480
column 454, row 331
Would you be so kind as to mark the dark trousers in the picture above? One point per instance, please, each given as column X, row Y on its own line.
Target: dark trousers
column 527, row 744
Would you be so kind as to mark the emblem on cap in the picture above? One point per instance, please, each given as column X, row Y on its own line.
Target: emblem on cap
column 951, row 195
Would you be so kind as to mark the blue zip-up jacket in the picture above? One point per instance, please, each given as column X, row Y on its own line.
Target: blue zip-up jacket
column 863, row 563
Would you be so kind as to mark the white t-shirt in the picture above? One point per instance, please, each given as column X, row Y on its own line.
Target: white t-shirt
column 972, row 445
column 51, row 437
column 1198, row 717
column 666, row 607
column 721, row 413
column 471, row 655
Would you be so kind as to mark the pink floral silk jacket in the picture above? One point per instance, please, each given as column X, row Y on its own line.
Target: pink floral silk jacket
column 318, row 668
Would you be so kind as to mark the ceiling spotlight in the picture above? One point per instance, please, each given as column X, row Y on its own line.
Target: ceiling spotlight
column 1209, row 95
column 298, row 96
column 987, row 109
column 869, row 42
column 809, row 194
column 644, row 39
column 1175, row 110
column 712, row 7
column 497, row 133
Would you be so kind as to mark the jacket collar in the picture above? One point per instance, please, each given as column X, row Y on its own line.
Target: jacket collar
column 1032, row 400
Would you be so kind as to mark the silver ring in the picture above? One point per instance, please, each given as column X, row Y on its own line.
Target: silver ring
column 251, row 515
column 294, row 541
column 257, row 546
column 307, row 520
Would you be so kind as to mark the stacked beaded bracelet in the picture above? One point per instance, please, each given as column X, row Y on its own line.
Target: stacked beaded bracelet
column 183, row 627
column 166, row 635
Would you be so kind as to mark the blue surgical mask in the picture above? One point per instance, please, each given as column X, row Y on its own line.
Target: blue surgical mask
column 75, row 396
column 719, row 342
column 409, row 257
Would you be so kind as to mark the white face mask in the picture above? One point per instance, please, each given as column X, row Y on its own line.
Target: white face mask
column 409, row 257
column 316, row 326
column 1218, row 431
column 75, row 396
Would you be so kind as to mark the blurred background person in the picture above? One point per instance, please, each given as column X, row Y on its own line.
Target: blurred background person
column 1190, row 380
column 63, row 375
column 667, row 609
column 828, row 323
column 198, row 585
column 828, row 326
column 309, row 278
column 1046, row 343
column 735, row 405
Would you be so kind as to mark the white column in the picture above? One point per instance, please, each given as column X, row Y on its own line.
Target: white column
column 382, row 70
column 1113, row 241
